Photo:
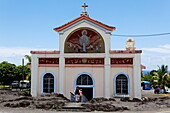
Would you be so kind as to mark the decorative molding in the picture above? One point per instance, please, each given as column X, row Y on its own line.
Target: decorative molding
column 121, row 65
column 48, row 60
column 48, row 65
column 95, row 61
column 84, row 65
column 121, row 60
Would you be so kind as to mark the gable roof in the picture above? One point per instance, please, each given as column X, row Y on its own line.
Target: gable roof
column 58, row 29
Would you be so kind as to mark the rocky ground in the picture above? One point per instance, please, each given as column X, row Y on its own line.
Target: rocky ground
column 55, row 102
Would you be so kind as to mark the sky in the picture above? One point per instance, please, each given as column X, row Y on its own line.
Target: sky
column 27, row 25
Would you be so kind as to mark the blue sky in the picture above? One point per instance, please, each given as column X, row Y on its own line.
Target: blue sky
column 28, row 25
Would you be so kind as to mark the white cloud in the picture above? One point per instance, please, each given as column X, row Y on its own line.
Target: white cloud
column 13, row 54
column 13, row 51
column 167, row 46
column 152, row 61
column 152, row 57
column 160, row 49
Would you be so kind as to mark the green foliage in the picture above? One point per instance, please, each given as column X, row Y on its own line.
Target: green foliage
column 158, row 77
column 161, row 76
column 10, row 72
column 29, row 59
column 7, row 72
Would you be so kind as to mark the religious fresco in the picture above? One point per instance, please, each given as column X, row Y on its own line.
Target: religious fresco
column 84, row 61
column 84, row 41
column 121, row 60
column 48, row 60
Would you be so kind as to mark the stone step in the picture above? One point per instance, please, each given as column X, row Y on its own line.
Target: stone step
column 73, row 106
column 74, row 110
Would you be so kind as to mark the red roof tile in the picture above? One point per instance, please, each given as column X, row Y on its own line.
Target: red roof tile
column 125, row 51
column 45, row 52
column 81, row 18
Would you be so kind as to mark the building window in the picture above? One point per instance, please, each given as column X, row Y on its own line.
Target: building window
column 121, row 85
column 84, row 80
column 48, row 83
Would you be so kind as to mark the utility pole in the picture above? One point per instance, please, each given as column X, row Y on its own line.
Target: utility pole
column 22, row 73
column 23, row 68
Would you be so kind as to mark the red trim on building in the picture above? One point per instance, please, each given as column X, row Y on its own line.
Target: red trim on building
column 81, row 18
column 48, row 65
column 143, row 67
column 124, row 51
column 122, row 65
column 84, row 65
column 45, row 52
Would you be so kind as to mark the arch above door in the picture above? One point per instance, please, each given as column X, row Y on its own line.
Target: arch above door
column 85, row 81
column 48, row 82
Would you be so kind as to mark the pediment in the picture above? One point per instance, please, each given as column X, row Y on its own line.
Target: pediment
column 82, row 19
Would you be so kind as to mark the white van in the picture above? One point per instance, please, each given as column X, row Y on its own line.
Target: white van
column 24, row 84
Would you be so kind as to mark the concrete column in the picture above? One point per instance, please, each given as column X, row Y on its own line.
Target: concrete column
column 107, row 78
column 61, row 74
column 137, row 76
column 34, row 76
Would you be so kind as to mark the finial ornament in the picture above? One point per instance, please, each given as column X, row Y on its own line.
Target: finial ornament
column 84, row 13
column 130, row 44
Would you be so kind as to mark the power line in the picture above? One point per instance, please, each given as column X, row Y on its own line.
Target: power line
column 160, row 34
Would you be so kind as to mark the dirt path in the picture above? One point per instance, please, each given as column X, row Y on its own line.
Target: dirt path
column 25, row 110
column 21, row 102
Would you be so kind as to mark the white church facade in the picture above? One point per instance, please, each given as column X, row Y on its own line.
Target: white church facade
column 85, row 59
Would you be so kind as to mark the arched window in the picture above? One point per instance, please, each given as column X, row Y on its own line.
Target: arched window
column 48, row 83
column 121, row 85
column 84, row 79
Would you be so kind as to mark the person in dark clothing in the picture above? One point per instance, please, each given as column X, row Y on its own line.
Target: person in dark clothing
column 77, row 94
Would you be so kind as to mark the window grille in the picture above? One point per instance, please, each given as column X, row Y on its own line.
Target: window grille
column 121, row 85
column 48, row 83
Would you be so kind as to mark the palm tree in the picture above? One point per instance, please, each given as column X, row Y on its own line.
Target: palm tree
column 28, row 76
column 161, row 76
column 29, row 59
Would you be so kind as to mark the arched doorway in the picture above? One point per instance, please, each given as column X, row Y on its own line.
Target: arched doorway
column 121, row 84
column 85, row 82
column 48, row 83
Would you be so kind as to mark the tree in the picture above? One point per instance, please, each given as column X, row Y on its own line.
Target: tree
column 7, row 73
column 10, row 72
column 160, row 76
column 28, row 76
column 29, row 59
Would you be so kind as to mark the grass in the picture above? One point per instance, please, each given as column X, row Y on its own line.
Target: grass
column 4, row 85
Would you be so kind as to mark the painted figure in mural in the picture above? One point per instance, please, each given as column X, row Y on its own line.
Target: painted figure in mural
column 84, row 40
column 77, row 94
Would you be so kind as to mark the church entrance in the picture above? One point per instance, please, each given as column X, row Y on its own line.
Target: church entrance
column 85, row 82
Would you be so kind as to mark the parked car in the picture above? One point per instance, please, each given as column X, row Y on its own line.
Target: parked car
column 157, row 90
column 15, row 84
column 24, row 84
column 167, row 90
column 161, row 91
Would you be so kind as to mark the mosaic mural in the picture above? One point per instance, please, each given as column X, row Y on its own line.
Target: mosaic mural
column 84, row 41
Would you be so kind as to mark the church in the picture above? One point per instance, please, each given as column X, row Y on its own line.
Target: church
column 85, row 59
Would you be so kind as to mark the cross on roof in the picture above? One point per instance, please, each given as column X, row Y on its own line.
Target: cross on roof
column 84, row 6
